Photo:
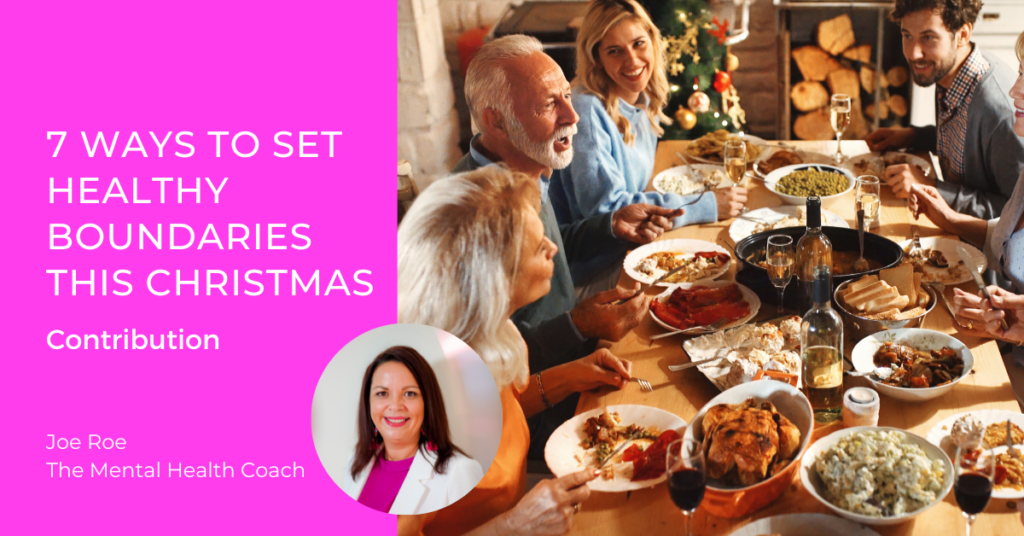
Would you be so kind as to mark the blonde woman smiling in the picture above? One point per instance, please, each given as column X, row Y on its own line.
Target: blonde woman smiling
column 619, row 92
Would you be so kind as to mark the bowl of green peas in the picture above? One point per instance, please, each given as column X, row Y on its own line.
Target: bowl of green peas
column 794, row 184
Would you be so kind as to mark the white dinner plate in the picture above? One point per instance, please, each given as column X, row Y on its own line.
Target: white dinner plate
column 748, row 296
column 744, row 225
column 681, row 245
column 753, row 140
column 806, row 157
column 939, row 436
column 686, row 185
column 875, row 163
column 948, row 248
column 564, row 455
column 803, row 525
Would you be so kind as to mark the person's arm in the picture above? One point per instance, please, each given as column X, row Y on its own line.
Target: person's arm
column 590, row 237
column 1002, row 159
column 551, row 342
column 598, row 369
column 600, row 185
column 924, row 139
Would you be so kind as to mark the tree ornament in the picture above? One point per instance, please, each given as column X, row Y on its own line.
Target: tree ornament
column 731, row 62
column 721, row 30
column 722, row 81
column 699, row 102
column 686, row 118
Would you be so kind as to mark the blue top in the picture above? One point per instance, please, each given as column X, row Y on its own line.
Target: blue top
column 606, row 174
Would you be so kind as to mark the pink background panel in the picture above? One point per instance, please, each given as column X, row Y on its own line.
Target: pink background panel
column 196, row 66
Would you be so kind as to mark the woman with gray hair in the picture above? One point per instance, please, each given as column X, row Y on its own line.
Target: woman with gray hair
column 471, row 251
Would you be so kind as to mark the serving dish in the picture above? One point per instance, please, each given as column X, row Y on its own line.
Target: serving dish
column 772, row 179
column 876, row 248
column 748, row 295
column 803, row 525
column 753, row 140
column 721, row 343
column 860, row 327
column 863, row 354
column 682, row 245
column 814, row 485
column 564, row 454
column 689, row 185
column 729, row 501
column 806, row 157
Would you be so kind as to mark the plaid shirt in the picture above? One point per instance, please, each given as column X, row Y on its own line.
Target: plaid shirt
column 952, row 107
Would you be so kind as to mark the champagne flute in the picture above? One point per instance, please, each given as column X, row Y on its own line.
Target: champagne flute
column 779, row 256
column 735, row 158
column 840, row 113
column 687, row 477
column 974, row 476
column 868, row 198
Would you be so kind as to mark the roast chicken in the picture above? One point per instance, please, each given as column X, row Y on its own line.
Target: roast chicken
column 746, row 443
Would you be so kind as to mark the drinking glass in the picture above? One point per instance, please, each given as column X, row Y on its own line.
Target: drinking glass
column 975, row 469
column 779, row 256
column 868, row 198
column 735, row 158
column 687, row 476
column 840, row 114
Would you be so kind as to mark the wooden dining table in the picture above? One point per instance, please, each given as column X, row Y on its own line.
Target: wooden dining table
column 650, row 511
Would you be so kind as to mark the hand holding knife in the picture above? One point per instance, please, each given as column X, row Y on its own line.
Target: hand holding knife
column 972, row 267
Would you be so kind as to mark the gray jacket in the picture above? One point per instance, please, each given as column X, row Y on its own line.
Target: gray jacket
column 993, row 153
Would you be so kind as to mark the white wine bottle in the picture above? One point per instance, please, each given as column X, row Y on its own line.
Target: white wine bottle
column 821, row 349
column 812, row 251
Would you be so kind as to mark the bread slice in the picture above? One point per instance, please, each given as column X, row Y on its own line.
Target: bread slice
column 893, row 301
column 873, row 290
column 901, row 277
column 910, row 313
column 888, row 314
column 862, row 282
column 923, row 298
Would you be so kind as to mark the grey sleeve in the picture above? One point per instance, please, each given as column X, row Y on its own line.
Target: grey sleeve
column 1001, row 162
column 590, row 238
column 553, row 342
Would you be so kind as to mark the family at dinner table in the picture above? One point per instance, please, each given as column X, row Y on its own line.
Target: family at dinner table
column 519, row 251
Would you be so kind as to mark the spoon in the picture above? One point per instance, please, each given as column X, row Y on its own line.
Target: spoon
column 861, row 264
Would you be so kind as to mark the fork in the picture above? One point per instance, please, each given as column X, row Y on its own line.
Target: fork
column 706, row 190
column 645, row 386
column 710, row 328
column 915, row 245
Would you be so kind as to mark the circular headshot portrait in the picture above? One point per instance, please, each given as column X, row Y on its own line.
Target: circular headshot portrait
column 406, row 419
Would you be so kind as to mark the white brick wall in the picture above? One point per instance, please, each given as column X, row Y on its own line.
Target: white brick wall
column 427, row 120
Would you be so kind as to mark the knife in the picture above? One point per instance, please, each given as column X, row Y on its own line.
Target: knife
column 973, row 268
column 656, row 281
column 618, row 450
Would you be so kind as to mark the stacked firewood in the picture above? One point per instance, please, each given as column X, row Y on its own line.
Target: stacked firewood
column 830, row 68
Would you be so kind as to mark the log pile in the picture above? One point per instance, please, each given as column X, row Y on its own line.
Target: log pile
column 837, row 64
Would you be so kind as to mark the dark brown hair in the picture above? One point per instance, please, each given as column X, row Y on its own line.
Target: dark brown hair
column 954, row 13
column 435, row 418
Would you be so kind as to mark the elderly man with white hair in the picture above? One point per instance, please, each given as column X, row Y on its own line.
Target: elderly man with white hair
column 520, row 100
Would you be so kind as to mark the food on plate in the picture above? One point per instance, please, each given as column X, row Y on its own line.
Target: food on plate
column 685, row 185
column 746, row 443
column 901, row 365
column 842, row 261
column 798, row 220
column 894, row 294
column 995, row 435
column 645, row 456
column 894, row 158
column 933, row 265
column 879, row 473
column 868, row 165
column 1009, row 470
column 811, row 181
column 747, row 349
column 967, row 432
column 710, row 146
column 701, row 306
column 700, row 265
column 781, row 158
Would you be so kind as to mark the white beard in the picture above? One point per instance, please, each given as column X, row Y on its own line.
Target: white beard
column 542, row 152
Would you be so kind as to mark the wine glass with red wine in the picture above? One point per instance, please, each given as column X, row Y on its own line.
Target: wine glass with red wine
column 975, row 470
column 687, row 477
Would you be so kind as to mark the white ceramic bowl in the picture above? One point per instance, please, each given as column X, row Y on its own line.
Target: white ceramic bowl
column 813, row 484
column 774, row 177
column 728, row 501
column 923, row 339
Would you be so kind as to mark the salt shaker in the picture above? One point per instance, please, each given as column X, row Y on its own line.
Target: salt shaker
column 860, row 407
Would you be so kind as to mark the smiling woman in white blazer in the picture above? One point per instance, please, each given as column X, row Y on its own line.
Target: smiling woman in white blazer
column 405, row 462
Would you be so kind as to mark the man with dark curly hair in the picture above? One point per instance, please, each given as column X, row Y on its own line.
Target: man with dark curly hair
column 980, row 155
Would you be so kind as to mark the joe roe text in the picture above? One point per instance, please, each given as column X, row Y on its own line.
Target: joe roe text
column 175, row 470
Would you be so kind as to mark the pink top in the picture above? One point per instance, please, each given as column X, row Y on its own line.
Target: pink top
column 382, row 485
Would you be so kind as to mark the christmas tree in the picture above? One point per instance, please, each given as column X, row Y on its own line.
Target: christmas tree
column 699, row 64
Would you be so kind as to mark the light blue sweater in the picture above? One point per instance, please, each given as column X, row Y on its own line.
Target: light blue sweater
column 606, row 174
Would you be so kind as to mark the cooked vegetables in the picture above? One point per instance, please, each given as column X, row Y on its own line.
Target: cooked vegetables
column 810, row 181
